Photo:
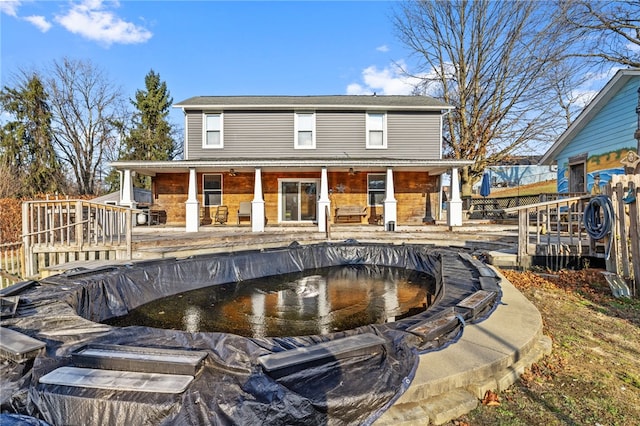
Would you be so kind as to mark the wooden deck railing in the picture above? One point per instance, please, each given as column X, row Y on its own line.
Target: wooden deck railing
column 11, row 263
column 556, row 228
column 60, row 231
column 552, row 228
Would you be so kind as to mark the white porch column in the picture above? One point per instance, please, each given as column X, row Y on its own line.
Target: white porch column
column 192, row 204
column 257, row 205
column 126, row 190
column 390, row 203
column 323, row 202
column 454, row 210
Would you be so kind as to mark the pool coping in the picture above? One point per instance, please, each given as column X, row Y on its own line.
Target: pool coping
column 490, row 356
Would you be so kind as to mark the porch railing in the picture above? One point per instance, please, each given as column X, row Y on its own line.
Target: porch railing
column 61, row 231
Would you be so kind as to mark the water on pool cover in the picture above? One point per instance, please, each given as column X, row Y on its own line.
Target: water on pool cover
column 318, row 301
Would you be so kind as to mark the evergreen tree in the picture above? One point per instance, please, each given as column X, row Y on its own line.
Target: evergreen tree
column 151, row 135
column 26, row 142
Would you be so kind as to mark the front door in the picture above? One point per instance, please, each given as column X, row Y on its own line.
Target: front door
column 298, row 201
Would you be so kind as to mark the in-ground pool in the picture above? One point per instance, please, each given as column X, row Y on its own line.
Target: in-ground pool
column 316, row 301
column 69, row 311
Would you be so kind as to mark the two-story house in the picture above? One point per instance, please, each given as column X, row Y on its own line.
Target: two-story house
column 299, row 159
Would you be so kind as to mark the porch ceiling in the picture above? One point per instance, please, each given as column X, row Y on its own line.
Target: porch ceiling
column 151, row 168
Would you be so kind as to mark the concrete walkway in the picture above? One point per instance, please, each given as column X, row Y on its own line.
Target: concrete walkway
column 490, row 355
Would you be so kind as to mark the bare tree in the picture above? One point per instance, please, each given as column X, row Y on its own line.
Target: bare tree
column 495, row 63
column 604, row 31
column 86, row 108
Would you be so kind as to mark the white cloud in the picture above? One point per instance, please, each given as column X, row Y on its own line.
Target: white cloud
column 357, row 89
column 591, row 86
column 582, row 97
column 10, row 7
column 387, row 81
column 383, row 48
column 90, row 20
column 40, row 22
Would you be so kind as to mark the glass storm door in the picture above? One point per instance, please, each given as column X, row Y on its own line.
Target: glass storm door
column 298, row 201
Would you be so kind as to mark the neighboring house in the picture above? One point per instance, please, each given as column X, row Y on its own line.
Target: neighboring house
column 140, row 196
column 518, row 171
column 590, row 151
column 296, row 157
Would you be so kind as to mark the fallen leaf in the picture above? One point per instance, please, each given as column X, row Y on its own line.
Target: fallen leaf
column 490, row 399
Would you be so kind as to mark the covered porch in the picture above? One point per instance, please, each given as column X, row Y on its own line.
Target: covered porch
column 316, row 193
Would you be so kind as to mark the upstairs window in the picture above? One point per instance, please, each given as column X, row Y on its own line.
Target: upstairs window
column 212, row 190
column 376, row 130
column 305, row 130
column 213, row 131
column 376, row 189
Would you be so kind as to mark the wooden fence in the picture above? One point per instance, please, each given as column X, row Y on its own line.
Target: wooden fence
column 494, row 207
column 11, row 263
column 624, row 261
column 60, row 231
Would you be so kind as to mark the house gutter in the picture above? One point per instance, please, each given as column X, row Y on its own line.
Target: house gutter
column 348, row 162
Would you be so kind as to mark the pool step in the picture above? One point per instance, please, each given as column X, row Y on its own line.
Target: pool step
column 135, row 358
column 476, row 303
column 118, row 380
column 18, row 347
column 17, row 288
column 286, row 362
column 437, row 326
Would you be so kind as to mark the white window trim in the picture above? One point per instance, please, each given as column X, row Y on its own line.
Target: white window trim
column 221, row 190
column 204, row 130
column 384, row 130
column 313, row 130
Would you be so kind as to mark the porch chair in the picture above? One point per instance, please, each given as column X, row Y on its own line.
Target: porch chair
column 244, row 211
column 222, row 214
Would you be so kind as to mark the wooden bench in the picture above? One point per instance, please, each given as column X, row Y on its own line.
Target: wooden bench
column 350, row 213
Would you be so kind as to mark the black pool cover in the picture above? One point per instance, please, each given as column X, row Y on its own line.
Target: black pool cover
column 231, row 386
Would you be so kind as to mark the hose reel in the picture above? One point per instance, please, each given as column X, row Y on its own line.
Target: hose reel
column 599, row 218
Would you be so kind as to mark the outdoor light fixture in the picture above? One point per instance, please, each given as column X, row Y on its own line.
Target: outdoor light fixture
column 232, row 172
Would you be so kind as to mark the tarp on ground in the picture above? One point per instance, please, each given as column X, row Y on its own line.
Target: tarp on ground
column 65, row 312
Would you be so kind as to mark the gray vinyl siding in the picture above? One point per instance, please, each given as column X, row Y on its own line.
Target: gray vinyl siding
column 340, row 132
column 193, row 150
column 414, row 135
column 270, row 134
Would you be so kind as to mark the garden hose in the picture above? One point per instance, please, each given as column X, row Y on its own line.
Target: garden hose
column 598, row 219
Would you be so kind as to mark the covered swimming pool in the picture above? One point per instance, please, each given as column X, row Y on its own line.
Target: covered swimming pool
column 336, row 377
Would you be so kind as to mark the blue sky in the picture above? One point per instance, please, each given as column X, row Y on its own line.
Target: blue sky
column 213, row 47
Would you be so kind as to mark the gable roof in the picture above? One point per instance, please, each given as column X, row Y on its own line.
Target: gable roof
column 586, row 115
column 417, row 103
